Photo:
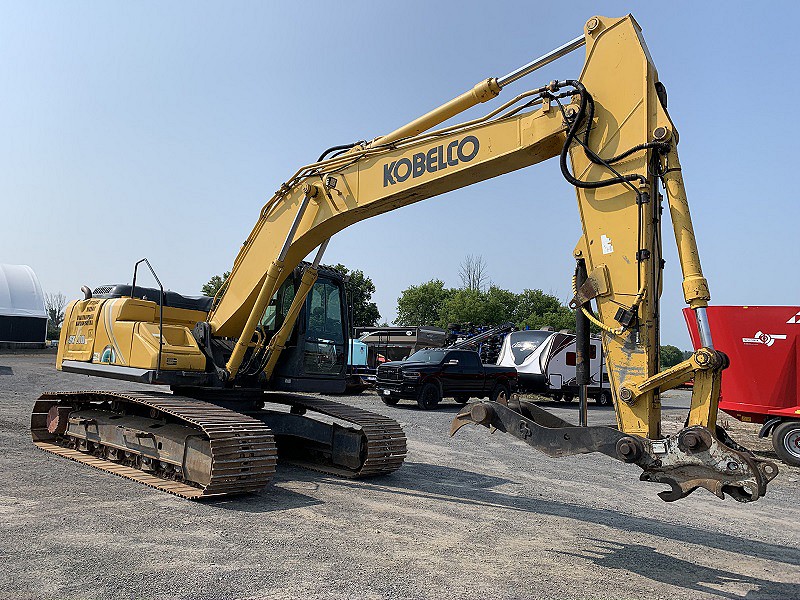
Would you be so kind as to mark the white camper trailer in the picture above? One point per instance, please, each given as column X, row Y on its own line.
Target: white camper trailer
column 545, row 362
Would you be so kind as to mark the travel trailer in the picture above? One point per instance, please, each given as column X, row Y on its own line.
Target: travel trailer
column 545, row 361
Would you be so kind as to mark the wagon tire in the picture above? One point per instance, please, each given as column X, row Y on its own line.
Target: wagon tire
column 786, row 441
column 604, row 398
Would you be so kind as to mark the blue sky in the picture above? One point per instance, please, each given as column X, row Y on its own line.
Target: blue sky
column 159, row 129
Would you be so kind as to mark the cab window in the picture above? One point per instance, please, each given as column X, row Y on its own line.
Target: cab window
column 324, row 347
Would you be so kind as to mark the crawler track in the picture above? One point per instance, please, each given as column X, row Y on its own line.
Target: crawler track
column 385, row 440
column 243, row 450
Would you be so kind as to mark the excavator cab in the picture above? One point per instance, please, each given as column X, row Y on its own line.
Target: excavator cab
column 315, row 356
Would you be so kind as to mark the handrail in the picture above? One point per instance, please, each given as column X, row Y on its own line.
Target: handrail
column 160, row 309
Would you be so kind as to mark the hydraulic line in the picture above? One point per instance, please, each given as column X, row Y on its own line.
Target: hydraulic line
column 588, row 313
column 341, row 148
column 572, row 135
column 661, row 146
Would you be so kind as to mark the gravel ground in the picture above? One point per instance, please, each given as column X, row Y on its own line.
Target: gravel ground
column 477, row 515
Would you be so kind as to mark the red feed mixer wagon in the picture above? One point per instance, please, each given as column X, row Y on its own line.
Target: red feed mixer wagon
column 762, row 385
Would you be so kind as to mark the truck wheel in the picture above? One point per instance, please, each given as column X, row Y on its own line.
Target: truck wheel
column 461, row 399
column 390, row 400
column 557, row 397
column 568, row 397
column 500, row 394
column 429, row 396
column 786, row 441
column 604, row 398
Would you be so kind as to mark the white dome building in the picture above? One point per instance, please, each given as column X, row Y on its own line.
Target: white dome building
column 23, row 319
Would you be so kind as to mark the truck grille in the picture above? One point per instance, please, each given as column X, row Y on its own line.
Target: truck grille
column 389, row 373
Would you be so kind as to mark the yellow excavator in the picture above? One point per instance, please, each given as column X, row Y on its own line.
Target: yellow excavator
column 278, row 326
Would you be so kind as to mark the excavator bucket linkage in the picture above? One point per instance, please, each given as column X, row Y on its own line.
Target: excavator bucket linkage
column 693, row 458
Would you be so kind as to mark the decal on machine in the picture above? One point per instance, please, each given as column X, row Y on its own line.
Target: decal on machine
column 795, row 319
column 437, row 158
column 605, row 242
column 768, row 339
column 108, row 355
column 109, row 322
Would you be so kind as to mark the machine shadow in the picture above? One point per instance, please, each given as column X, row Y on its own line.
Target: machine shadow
column 436, row 482
column 591, row 406
column 276, row 497
column 448, row 407
column 651, row 564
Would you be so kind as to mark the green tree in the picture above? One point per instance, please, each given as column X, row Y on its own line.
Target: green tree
column 500, row 306
column 212, row 287
column 535, row 309
column 532, row 305
column 360, row 289
column 463, row 306
column 562, row 318
column 422, row 304
column 670, row 356
column 432, row 304
column 468, row 305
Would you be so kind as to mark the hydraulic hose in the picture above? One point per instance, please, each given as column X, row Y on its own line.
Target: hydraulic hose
column 613, row 331
column 587, row 103
column 661, row 146
column 335, row 148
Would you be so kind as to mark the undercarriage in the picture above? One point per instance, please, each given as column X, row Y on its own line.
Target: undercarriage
column 198, row 449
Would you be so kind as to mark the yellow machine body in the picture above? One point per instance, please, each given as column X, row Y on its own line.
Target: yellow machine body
column 378, row 178
column 125, row 332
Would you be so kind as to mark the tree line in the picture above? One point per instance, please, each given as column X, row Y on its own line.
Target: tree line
column 480, row 302
column 431, row 303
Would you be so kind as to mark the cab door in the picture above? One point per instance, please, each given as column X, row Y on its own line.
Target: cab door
column 324, row 352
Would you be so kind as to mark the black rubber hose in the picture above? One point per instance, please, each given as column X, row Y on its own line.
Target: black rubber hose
column 572, row 132
column 335, row 148
column 602, row 161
